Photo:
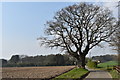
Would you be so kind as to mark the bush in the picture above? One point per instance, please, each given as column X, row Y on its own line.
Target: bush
column 92, row 64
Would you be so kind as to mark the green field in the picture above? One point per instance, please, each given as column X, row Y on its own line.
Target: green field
column 107, row 64
column 75, row 73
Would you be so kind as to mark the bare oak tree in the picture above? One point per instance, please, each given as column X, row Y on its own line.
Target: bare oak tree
column 78, row 28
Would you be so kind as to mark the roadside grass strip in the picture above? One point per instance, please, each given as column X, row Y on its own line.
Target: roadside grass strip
column 73, row 74
column 114, row 74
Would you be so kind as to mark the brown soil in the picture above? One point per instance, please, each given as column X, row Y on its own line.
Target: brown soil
column 34, row 72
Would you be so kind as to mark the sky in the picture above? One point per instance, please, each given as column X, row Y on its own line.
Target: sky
column 23, row 23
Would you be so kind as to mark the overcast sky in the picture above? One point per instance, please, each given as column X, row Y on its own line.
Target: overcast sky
column 23, row 23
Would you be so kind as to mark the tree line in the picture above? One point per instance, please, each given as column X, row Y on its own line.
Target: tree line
column 50, row 60
column 105, row 58
column 47, row 60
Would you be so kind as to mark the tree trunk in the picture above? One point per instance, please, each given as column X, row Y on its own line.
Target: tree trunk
column 83, row 62
column 79, row 63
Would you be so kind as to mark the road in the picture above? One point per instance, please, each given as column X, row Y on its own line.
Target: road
column 98, row 75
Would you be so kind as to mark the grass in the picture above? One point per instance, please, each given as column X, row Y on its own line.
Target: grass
column 75, row 73
column 106, row 64
column 114, row 74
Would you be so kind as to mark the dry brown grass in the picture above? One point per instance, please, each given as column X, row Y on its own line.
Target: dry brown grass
column 34, row 72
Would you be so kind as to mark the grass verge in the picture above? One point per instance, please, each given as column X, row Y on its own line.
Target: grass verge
column 73, row 74
column 114, row 73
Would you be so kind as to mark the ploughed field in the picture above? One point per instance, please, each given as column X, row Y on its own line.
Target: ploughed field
column 34, row 72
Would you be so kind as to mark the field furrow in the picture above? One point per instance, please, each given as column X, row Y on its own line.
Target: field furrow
column 34, row 72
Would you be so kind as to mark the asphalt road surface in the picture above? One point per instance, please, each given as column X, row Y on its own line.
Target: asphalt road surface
column 98, row 75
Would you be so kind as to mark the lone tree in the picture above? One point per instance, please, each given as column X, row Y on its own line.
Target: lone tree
column 78, row 28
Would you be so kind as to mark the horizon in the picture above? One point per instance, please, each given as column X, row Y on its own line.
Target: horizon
column 59, row 53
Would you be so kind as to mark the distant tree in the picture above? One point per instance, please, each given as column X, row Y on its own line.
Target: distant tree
column 115, row 40
column 3, row 62
column 69, row 60
column 59, row 59
column 14, row 59
column 105, row 58
column 78, row 28
column 22, row 56
column 50, row 60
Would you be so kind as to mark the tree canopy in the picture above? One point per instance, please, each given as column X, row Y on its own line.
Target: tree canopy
column 78, row 28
